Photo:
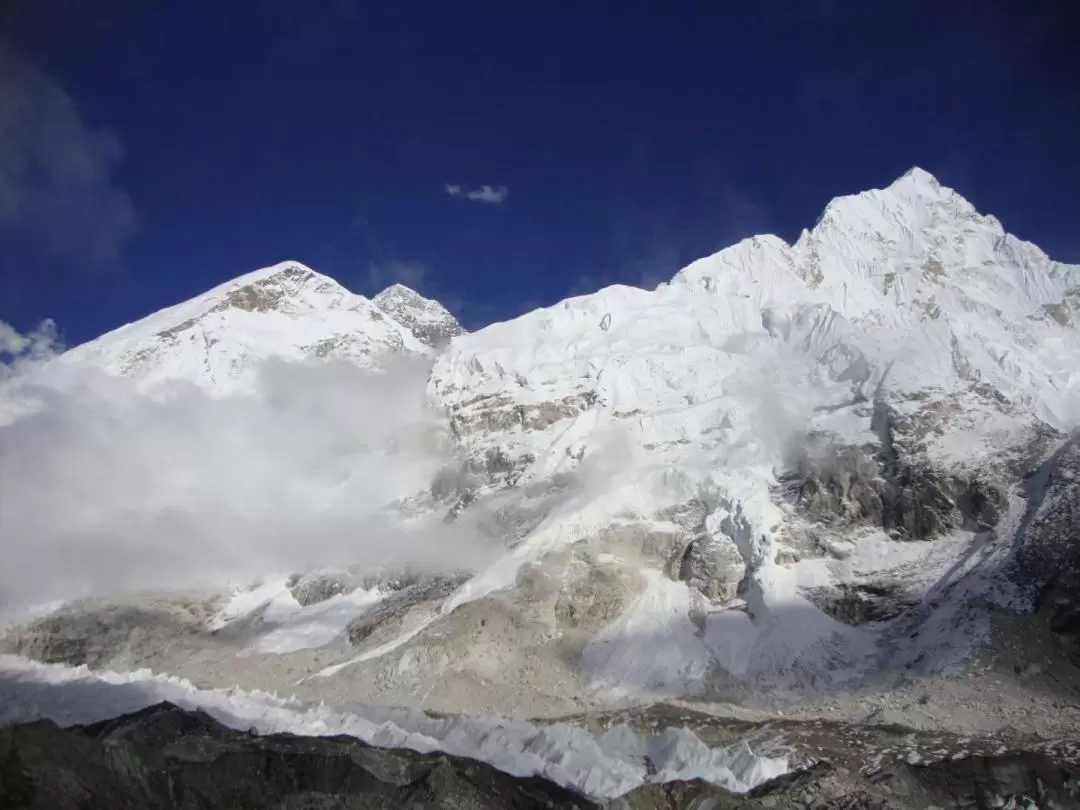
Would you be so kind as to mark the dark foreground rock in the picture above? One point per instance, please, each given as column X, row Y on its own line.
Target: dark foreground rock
column 1046, row 566
column 166, row 757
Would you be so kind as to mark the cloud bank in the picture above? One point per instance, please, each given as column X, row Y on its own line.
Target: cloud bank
column 57, row 181
column 104, row 489
column 491, row 195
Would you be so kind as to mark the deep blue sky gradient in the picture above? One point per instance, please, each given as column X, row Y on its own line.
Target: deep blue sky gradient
column 634, row 137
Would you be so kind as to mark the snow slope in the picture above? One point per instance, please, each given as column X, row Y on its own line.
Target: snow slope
column 286, row 311
column 904, row 296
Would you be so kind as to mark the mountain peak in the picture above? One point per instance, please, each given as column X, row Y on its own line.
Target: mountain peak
column 287, row 270
column 919, row 186
column 917, row 176
column 914, row 203
column 398, row 289
column 217, row 339
column 275, row 287
column 426, row 318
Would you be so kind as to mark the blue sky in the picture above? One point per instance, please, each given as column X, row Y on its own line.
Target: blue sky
column 159, row 148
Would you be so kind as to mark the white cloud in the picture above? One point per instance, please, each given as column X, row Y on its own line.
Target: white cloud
column 106, row 489
column 487, row 194
column 384, row 274
column 492, row 195
column 18, row 351
column 11, row 342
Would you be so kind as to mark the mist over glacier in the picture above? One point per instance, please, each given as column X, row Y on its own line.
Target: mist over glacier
column 106, row 488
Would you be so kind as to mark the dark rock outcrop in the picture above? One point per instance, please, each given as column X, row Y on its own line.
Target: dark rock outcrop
column 310, row 589
column 1046, row 565
column 713, row 565
column 862, row 603
column 841, row 486
column 877, row 485
column 409, row 589
column 100, row 634
column 1019, row 779
column 165, row 757
column 498, row 413
column 428, row 320
column 710, row 563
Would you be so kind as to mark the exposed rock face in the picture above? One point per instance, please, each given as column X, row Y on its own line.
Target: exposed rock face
column 410, row 589
column 840, row 487
column 311, row 589
column 1020, row 780
column 494, row 414
column 710, row 563
column 876, row 485
column 266, row 294
column 590, row 596
column 219, row 339
column 713, row 565
column 428, row 320
column 103, row 634
column 493, row 469
column 1046, row 568
column 860, row 603
column 1017, row 780
column 463, row 484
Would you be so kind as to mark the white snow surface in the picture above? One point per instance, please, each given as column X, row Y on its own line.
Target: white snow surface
column 602, row 768
column 677, row 661
column 286, row 625
column 905, row 293
column 217, row 339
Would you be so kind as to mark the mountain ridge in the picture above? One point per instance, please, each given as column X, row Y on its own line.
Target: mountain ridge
column 911, row 216
column 790, row 471
column 286, row 311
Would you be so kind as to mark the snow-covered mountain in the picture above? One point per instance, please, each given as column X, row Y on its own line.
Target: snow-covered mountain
column 901, row 363
column 905, row 291
column 795, row 472
column 287, row 311
column 428, row 320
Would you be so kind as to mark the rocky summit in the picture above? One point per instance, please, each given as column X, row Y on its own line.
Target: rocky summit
column 796, row 528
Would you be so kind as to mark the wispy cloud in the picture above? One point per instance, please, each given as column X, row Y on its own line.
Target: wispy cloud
column 384, row 274
column 57, row 179
column 17, row 349
column 492, row 195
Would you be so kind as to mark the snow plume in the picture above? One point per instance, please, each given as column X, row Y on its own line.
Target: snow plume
column 103, row 488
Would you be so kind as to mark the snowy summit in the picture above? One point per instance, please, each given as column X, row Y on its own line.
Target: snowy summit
column 287, row 311
column 428, row 320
